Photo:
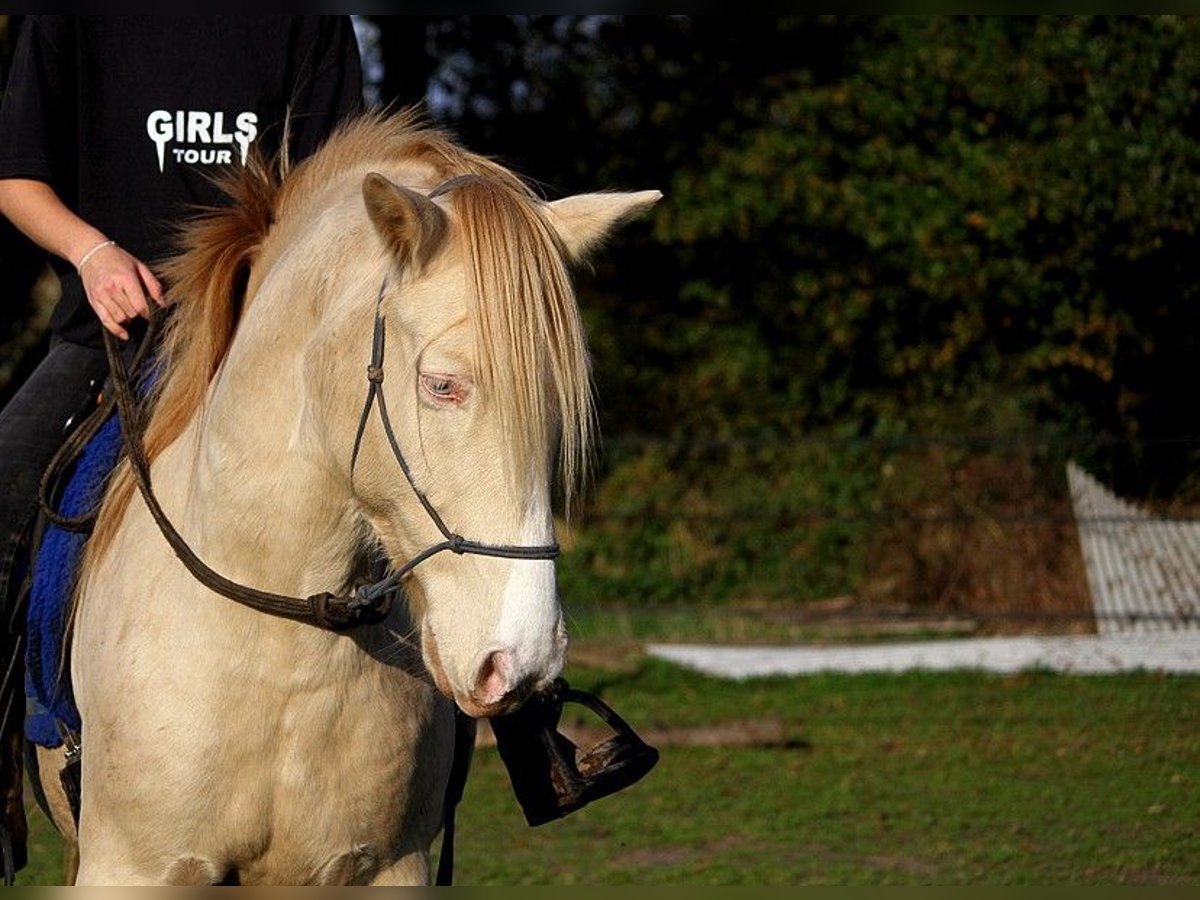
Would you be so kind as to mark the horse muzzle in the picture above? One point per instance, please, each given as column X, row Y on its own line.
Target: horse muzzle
column 500, row 681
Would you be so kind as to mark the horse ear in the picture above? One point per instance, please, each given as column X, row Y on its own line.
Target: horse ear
column 583, row 221
column 410, row 224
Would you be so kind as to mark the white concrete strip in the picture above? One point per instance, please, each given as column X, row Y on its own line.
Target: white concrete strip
column 1077, row 654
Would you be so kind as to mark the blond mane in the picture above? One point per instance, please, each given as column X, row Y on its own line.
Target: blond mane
column 529, row 339
column 527, row 330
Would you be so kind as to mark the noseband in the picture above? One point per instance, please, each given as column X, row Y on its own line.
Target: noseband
column 366, row 604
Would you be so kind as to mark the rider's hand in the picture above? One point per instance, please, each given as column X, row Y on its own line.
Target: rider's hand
column 118, row 287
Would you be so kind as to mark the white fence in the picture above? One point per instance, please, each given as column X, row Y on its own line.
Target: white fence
column 1143, row 573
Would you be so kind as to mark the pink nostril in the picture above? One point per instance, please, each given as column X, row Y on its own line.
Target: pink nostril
column 494, row 678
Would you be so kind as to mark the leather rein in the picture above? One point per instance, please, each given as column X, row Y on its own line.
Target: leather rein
column 333, row 612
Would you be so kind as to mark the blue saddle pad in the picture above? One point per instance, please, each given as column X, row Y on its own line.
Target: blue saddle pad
column 49, row 697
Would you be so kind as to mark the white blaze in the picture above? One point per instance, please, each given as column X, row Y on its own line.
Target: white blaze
column 529, row 610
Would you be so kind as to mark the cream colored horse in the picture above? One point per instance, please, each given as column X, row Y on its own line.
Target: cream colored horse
column 223, row 744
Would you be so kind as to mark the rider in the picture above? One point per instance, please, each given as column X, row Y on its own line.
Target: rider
column 111, row 127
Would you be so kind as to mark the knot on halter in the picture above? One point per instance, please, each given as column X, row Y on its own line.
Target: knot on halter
column 457, row 544
column 375, row 374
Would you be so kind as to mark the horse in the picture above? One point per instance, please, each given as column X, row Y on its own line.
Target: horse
column 397, row 271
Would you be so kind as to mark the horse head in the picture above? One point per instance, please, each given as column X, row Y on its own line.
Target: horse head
column 484, row 380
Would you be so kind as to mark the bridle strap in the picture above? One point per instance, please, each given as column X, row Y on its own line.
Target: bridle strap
column 453, row 541
column 323, row 610
column 366, row 604
column 73, row 447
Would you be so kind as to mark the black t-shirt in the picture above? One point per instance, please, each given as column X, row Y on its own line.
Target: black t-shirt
column 127, row 118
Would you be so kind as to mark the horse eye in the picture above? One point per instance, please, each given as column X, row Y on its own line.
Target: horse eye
column 443, row 388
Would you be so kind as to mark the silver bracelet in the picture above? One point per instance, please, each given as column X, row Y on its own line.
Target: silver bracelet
column 88, row 255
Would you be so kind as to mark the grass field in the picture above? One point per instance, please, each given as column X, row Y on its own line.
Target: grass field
column 867, row 780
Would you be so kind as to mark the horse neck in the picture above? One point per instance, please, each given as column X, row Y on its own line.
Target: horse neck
column 264, row 497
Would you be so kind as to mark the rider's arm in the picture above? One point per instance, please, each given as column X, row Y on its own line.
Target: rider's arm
column 117, row 284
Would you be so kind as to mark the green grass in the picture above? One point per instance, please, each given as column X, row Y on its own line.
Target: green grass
column 916, row 779
column 752, row 624
column 912, row 780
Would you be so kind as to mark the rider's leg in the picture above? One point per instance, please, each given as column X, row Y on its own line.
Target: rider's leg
column 32, row 427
